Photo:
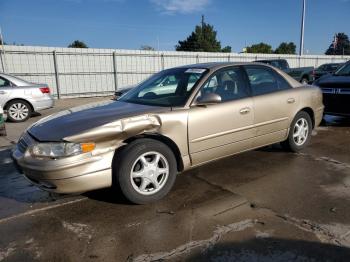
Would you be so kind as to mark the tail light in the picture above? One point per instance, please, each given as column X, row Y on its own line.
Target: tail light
column 45, row 90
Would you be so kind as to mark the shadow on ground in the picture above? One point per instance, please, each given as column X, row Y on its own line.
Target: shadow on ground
column 14, row 185
column 111, row 195
column 336, row 121
column 273, row 249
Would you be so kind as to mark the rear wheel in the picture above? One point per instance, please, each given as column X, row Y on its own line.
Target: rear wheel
column 299, row 133
column 145, row 171
column 18, row 111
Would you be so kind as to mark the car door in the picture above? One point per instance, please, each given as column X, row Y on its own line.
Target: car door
column 274, row 100
column 224, row 128
column 5, row 88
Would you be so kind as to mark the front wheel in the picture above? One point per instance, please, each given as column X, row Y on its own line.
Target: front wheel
column 145, row 170
column 299, row 133
column 304, row 81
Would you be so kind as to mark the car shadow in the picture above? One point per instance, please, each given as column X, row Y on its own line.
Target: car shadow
column 15, row 186
column 337, row 121
column 272, row 249
column 36, row 114
column 272, row 148
column 111, row 195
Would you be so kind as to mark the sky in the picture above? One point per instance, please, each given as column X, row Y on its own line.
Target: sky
column 129, row 24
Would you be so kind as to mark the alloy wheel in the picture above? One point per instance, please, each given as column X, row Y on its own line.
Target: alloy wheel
column 18, row 111
column 301, row 131
column 149, row 173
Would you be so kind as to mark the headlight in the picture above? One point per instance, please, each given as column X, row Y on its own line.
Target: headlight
column 58, row 150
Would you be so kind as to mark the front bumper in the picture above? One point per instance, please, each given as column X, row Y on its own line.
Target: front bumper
column 74, row 174
column 78, row 184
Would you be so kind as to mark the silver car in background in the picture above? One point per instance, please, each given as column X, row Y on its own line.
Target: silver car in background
column 21, row 98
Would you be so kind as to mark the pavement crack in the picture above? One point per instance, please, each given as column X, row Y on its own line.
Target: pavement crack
column 218, row 233
column 38, row 210
column 213, row 184
column 6, row 252
column 328, row 160
column 332, row 234
column 323, row 232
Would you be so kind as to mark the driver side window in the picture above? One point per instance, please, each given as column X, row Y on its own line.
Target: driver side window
column 229, row 84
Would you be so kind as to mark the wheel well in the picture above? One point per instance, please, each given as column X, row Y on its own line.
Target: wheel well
column 19, row 99
column 305, row 77
column 165, row 140
column 311, row 114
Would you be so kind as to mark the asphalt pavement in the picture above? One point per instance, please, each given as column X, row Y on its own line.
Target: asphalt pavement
column 263, row 205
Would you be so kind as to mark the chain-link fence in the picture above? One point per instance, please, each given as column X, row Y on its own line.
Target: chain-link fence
column 74, row 72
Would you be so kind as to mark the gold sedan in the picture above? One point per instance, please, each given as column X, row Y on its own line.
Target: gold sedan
column 178, row 119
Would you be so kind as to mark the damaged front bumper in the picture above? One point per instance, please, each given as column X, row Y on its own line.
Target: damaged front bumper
column 75, row 174
column 86, row 171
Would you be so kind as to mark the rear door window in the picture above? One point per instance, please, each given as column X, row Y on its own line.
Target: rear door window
column 4, row 82
column 263, row 80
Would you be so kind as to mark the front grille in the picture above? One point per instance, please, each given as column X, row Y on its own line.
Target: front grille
column 326, row 90
column 24, row 142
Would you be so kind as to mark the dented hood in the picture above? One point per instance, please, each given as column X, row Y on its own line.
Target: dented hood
column 87, row 118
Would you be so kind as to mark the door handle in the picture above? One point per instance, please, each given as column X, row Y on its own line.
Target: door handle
column 290, row 100
column 2, row 92
column 244, row 111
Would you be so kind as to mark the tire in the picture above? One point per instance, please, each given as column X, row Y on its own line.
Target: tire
column 299, row 140
column 18, row 111
column 140, row 179
column 304, row 81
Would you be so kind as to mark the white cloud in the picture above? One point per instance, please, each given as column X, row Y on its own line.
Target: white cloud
column 180, row 6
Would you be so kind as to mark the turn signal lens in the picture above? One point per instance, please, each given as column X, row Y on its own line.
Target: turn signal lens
column 87, row 147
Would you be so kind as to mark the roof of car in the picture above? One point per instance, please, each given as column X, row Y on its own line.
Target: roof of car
column 215, row 65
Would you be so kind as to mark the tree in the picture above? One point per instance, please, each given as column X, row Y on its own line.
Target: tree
column 340, row 45
column 261, row 48
column 286, row 48
column 78, row 44
column 226, row 49
column 147, row 48
column 202, row 39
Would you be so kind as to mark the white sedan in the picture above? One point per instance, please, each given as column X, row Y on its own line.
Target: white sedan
column 21, row 98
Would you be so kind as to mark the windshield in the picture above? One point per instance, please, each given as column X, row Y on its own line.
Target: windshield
column 344, row 70
column 168, row 88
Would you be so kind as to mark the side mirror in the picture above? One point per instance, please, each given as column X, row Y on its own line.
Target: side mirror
column 117, row 94
column 208, row 99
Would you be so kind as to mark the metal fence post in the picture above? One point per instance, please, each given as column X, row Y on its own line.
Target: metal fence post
column 162, row 60
column 2, row 62
column 115, row 71
column 197, row 59
column 56, row 74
